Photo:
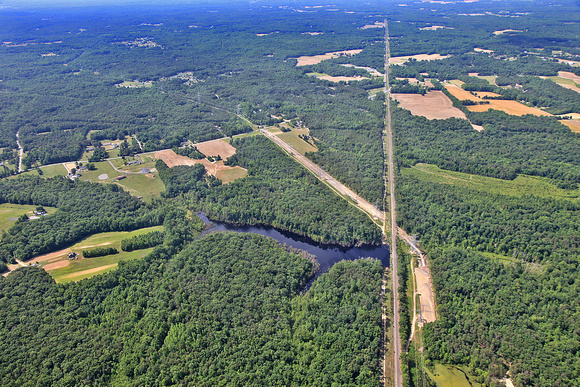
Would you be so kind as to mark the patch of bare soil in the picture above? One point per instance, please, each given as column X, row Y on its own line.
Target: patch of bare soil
column 434, row 105
column 311, row 60
column 420, row 57
column 51, row 256
column 215, row 148
column 172, row 160
column 427, row 295
column 56, row 265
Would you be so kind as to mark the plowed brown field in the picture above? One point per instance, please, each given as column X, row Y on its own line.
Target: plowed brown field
column 434, row 105
column 215, row 148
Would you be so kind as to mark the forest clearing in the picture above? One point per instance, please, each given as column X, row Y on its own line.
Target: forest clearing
column 434, row 105
column 315, row 59
column 293, row 138
column 521, row 185
column 336, row 79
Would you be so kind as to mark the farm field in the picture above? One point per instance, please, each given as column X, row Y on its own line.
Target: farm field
column 434, row 105
column 574, row 125
column 215, row 148
column 10, row 212
column 296, row 142
column 514, row 108
column 521, row 185
column 63, row 269
column 459, row 93
column 510, row 107
column 399, row 60
column 567, row 79
column 337, row 79
column 314, row 59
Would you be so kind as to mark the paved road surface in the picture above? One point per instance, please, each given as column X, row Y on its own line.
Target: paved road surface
column 398, row 376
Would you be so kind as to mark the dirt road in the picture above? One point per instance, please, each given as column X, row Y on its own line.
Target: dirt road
column 374, row 212
column 20, row 152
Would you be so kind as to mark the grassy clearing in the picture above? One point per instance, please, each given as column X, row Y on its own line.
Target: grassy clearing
column 229, row 175
column 8, row 211
column 499, row 258
column 452, row 376
column 249, row 134
column 522, row 185
column 490, row 78
column 54, row 170
column 145, row 185
column 87, row 267
column 292, row 138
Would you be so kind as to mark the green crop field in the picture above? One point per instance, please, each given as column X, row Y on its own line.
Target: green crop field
column 522, row 185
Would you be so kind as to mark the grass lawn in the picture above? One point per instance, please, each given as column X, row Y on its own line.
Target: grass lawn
column 53, row 170
column 8, row 211
column 452, row 376
column 522, row 185
column 296, row 142
column 103, row 167
column 87, row 267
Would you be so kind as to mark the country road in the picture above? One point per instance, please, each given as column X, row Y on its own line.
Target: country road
column 331, row 181
column 398, row 376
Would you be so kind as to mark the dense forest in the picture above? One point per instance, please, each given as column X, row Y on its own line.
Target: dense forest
column 224, row 310
column 508, row 146
column 290, row 198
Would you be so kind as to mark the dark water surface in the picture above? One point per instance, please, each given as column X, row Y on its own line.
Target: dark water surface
column 326, row 254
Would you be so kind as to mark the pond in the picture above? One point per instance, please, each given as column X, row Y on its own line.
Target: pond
column 326, row 254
